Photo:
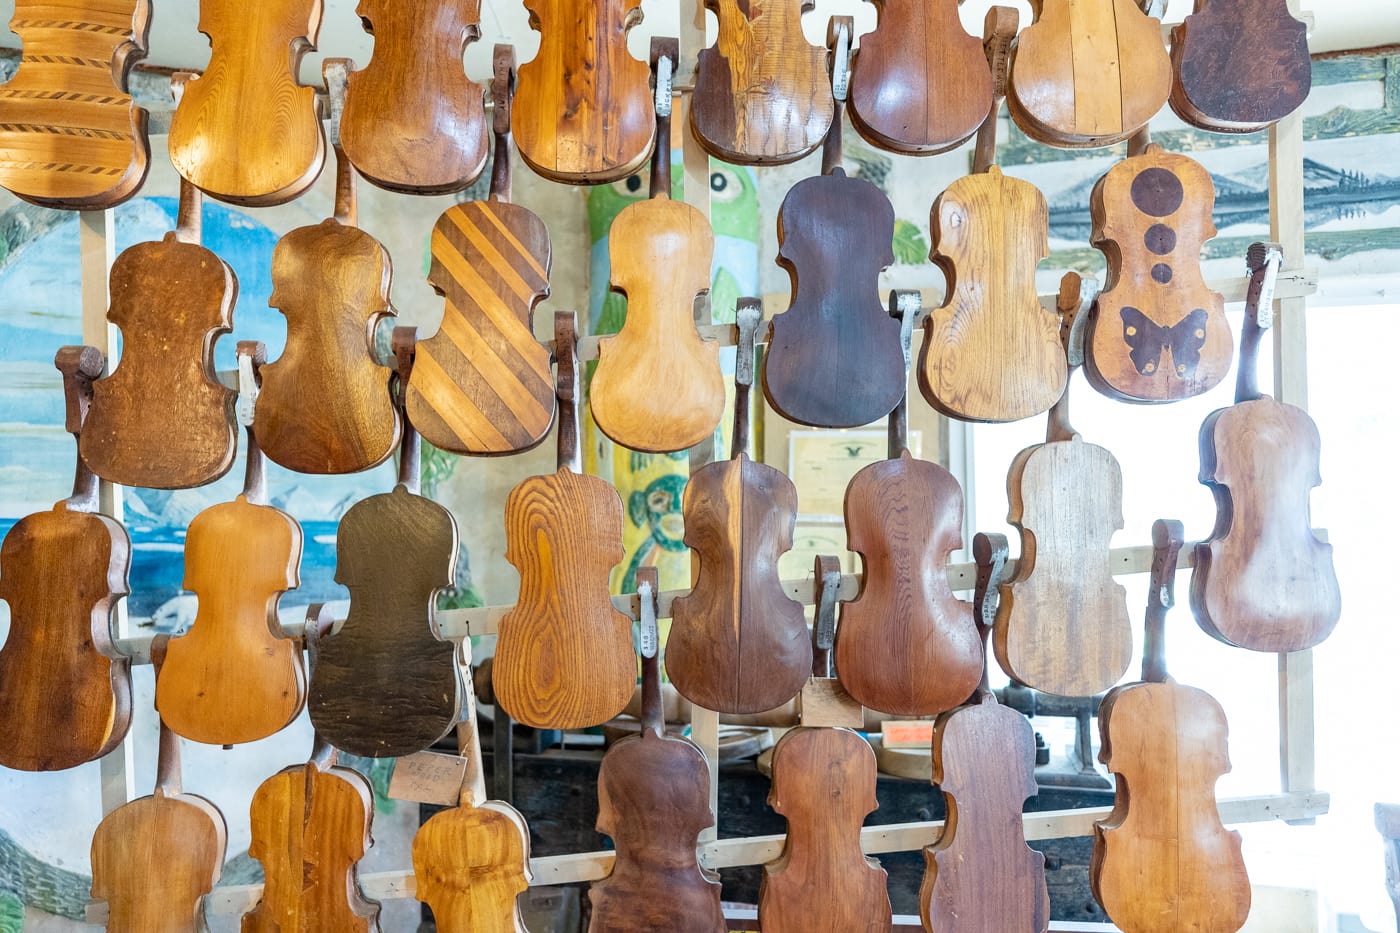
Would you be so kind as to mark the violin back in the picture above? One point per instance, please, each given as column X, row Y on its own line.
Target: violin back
column 413, row 121
column 738, row 643
column 65, row 693
column 490, row 262
column 834, row 359
column 1157, row 333
column 325, row 405
column 162, row 420
column 906, row 646
column 310, row 829
column 1239, row 66
column 1062, row 622
column 84, row 148
column 232, row 678
column 984, row 763
column 659, row 251
column 394, row 552
column 471, row 864
column 1263, row 580
column 154, row 860
column 762, row 95
column 583, row 112
column 653, row 801
column 824, row 784
column 1088, row 72
column 245, row 131
column 564, row 655
column 1163, row 860
column 992, row 352
column 920, row 83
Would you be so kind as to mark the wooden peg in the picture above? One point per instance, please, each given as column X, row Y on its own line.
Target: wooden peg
column 840, row 34
column 405, row 340
column 570, row 455
column 824, row 701
column 502, row 96
column 1168, row 536
column 906, row 306
column 665, row 53
column 998, row 30
column 748, row 316
column 336, row 73
column 990, row 551
column 1076, row 294
column 79, row 367
column 649, row 589
column 252, row 354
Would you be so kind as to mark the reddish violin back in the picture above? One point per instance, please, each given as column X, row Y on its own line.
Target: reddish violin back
column 1156, row 333
column 65, row 691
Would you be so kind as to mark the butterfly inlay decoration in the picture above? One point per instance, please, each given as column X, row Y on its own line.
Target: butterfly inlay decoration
column 1148, row 341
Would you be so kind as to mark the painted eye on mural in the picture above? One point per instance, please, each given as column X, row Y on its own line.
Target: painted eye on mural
column 724, row 185
column 631, row 186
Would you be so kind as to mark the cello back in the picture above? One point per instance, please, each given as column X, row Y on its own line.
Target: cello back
column 84, row 148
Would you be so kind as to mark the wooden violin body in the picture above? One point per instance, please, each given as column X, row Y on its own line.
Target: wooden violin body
column 906, row 646
column 325, row 405
column 245, row 131
column 311, row 826
column 413, row 121
column 162, row 420
column 659, row 252
column 992, row 352
column 1088, row 72
column 584, row 111
column 919, row 84
column 471, row 863
column 1239, row 66
column 72, row 137
column 761, row 92
column 394, row 552
column 1156, row 333
column 824, row 784
column 834, row 358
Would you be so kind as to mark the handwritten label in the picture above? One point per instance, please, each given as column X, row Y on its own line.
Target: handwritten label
column 824, row 702
column 428, row 777
column 916, row 733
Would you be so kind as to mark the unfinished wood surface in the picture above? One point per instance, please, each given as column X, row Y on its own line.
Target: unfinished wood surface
column 325, row 405
column 65, row 690
column 762, row 95
column 584, row 113
column 992, row 352
column 1263, row 580
column 245, row 131
column 70, row 135
column 834, row 358
column 1088, row 72
column 162, row 420
column 1163, row 862
column 1156, row 332
column 920, row 82
column 414, row 122
column 824, row 785
column 1239, row 65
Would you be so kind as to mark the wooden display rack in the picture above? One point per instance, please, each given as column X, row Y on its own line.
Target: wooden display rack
column 1299, row 801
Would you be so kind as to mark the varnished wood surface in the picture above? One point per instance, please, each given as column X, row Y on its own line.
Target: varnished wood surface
column 992, row 352
column 310, row 828
column 834, row 358
column 325, row 406
column 906, row 645
column 762, row 95
column 413, row 121
column 162, row 420
column 1156, row 332
column 584, row 112
column 659, row 252
column 245, row 131
column 1088, row 72
column 1239, row 65
column 824, row 785
column 919, row 83
column 70, row 135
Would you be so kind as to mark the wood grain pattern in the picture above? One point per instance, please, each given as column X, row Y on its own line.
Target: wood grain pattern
column 584, row 113
column 70, row 135
column 824, row 785
column 162, row 420
column 992, row 352
column 834, row 357
column 762, row 95
column 1088, row 72
column 919, row 83
column 245, row 131
column 413, row 121
column 65, row 690
column 1239, row 66
column 1156, row 332
column 325, row 407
